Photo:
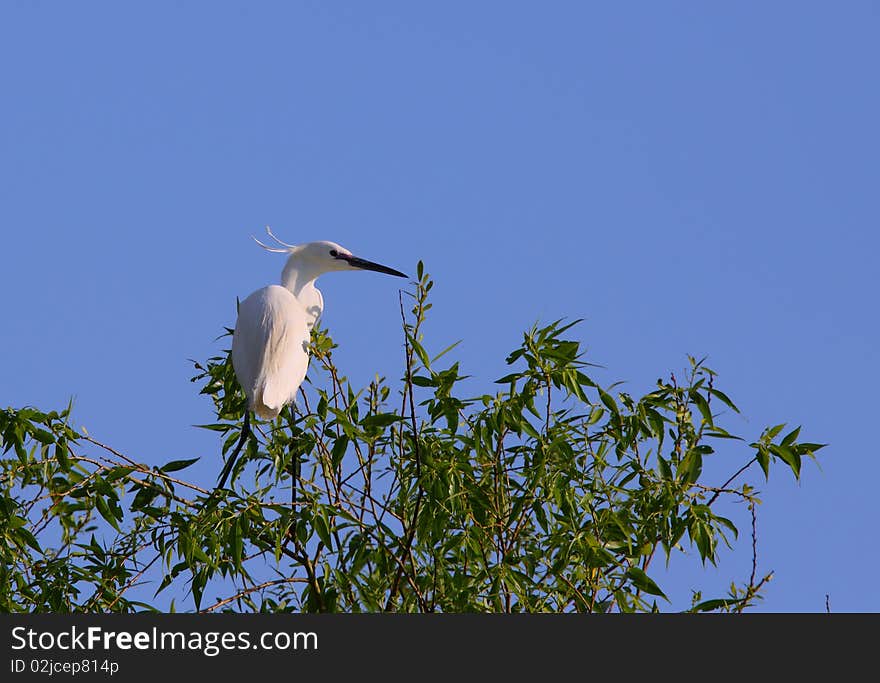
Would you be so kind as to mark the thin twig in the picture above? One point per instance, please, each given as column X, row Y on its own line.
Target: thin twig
column 754, row 544
column 132, row 581
column 253, row 589
column 732, row 477
column 143, row 468
column 145, row 483
column 410, row 533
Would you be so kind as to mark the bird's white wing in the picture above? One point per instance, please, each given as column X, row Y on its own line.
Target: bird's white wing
column 270, row 349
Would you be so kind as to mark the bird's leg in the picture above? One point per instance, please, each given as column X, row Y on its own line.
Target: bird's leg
column 227, row 468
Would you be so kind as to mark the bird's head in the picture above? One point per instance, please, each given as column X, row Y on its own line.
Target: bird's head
column 324, row 257
column 329, row 256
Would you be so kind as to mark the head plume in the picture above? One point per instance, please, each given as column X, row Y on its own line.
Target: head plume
column 275, row 250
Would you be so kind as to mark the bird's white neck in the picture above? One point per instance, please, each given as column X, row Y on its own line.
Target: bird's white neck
column 299, row 278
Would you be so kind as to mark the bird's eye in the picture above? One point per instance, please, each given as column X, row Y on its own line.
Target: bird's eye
column 334, row 253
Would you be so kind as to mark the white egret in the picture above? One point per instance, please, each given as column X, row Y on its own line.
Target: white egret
column 270, row 345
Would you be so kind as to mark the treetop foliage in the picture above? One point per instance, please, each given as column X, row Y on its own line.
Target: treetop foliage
column 551, row 494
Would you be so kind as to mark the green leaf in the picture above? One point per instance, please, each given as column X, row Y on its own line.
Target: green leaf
column 420, row 352
column 15, row 522
column 321, row 410
column 237, row 544
column 529, row 429
column 596, row 414
column 175, row 465
column 710, row 605
column 28, row 538
column 216, row 427
column 700, row 401
column 422, row 381
column 61, row 454
column 608, row 401
column 118, row 473
column 724, row 398
column 380, row 420
column 664, row 468
column 644, row 582
column 788, row 456
column 43, row 436
column 809, row 448
column 198, row 553
column 106, row 513
column 790, row 438
column 771, row 432
column 445, row 351
column 583, row 380
column 21, row 453
column 322, row 528
column 199, row 580
column 763, row 458
column 691, row 465
column 719, row 433
column 339, row 448
column 727, row 523
column 143, row 497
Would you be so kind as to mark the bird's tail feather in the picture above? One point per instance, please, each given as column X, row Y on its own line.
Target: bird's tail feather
column 272, row 399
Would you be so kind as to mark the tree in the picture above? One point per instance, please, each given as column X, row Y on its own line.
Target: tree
column 553, row 494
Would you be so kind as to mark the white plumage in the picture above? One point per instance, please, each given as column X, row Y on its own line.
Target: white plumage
column 270, row 349
column 270, row 344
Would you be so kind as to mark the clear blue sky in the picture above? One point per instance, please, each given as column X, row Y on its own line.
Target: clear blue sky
column 687, row 177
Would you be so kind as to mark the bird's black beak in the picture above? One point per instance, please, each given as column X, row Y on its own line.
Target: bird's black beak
column 363, row 264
